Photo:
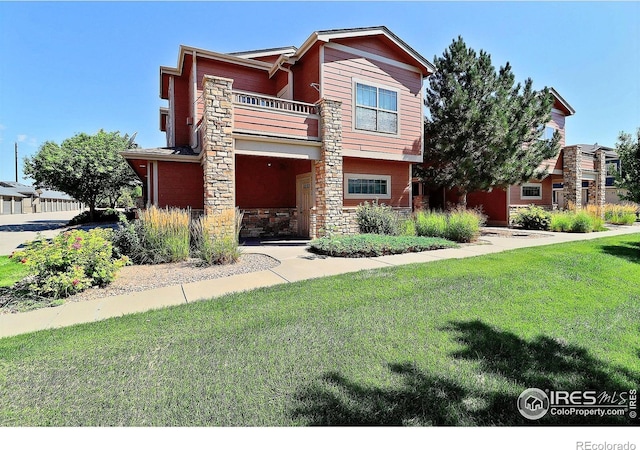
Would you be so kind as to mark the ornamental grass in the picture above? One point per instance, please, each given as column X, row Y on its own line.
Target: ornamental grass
column 215, row 237
column 164, row 233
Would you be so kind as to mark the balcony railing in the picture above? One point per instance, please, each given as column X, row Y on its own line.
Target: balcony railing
column 251, row 99
column 270, row 116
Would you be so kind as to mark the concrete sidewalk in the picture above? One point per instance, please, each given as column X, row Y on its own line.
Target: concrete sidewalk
column 295, row 264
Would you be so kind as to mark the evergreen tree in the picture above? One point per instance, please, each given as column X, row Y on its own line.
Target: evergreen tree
column 629, row 150
column 482, row 131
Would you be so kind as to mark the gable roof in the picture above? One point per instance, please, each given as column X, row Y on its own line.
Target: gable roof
column 564, row 105
column 329, row 35
column 246, row 58
column 265, row 52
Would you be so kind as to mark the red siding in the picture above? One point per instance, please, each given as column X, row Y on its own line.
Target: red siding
column 263, row 182
column 378, row 45
column 400, row 179
column 494, row 205
column 182, row 108
column 305, row 72
column 244, row 78
column 341, row 68
column 274, row 122
column 180, row 185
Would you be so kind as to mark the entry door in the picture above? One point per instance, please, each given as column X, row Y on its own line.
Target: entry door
column 304, row 200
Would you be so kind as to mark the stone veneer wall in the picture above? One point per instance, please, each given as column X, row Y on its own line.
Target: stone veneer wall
column 218, row 160
column 601, row 181
column 269, row 222
column 328, row 171
column 572, row 175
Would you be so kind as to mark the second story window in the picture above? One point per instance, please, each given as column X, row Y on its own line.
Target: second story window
column 376, row 109
column 547, row 133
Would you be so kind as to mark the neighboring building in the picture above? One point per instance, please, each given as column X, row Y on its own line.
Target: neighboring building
column 581, row 174
column 18, row 198
column 10, row 200
column 295, row 137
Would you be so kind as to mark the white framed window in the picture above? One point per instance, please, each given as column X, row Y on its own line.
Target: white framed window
column 367, row 186
column 376, row 108
column 531, row 191
column 547, row 133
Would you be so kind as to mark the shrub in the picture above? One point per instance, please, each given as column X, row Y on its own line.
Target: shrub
column 432, row 224
column 366, row 245
column 408, row 228
column 126, row 241
column 377, row 219
column 576, row 222
column 215, row 237
column 163, row 234
column 458, row 225
column 533, row 218
column 560, row 221
column 101, row 215
column 581, row 222
column 464, row 225
column 70, row 262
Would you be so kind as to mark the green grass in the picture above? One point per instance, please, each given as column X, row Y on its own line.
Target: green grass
column 10, row 272
column 446, row 343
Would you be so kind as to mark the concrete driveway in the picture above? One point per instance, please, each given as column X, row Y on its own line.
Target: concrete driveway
column 15, row 229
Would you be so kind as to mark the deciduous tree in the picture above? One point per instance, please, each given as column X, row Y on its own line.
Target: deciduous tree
column 87, row 167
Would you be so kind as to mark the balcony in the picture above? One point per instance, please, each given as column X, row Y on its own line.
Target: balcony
column 262, row 115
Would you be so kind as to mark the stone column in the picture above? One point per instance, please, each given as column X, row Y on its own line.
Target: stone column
column 572, row 175
column 328, row 171
column 217, row 143
column 601, row 180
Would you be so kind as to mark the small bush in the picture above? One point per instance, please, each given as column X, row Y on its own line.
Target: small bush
column 101, row 215
column 431, row 224
column 70, row 262
column 459, row 225
column 215, row 237
column 560, row 221
column 576, row 222
column 377, row 219
column 533, row 218
column 464, row 225
column 408, row 228
column 126, row 241
column 366, row 245
column 581, row 222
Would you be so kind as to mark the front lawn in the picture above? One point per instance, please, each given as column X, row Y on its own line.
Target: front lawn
column 453, row 342
column 10, row 272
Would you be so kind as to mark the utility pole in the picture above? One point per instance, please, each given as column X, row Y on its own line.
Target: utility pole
column 16, row 145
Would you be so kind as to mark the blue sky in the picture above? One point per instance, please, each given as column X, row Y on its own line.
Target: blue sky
column 69, row 67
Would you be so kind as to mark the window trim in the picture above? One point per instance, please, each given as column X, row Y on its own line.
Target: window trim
column 354, row 102
column 544, row 131
column 366, row 176
column 531, row 197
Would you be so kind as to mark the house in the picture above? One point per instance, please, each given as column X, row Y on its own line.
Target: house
column 18, row 198
column 581, row 174
column 296, row 137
